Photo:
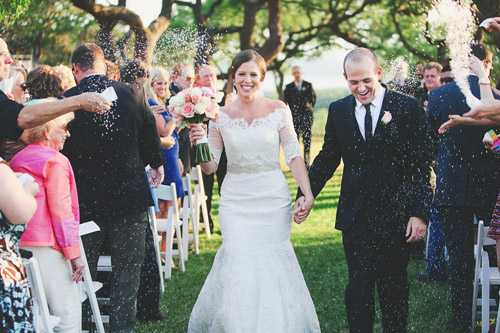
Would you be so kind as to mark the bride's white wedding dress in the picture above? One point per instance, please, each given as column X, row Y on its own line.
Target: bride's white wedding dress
column 255, row 284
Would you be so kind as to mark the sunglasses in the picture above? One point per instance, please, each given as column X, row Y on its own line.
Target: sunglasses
column 22, row 86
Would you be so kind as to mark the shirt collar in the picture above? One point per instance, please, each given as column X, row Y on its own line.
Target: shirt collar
column 377, row 101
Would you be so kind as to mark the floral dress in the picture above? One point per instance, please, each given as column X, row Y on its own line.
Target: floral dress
column 16, row 314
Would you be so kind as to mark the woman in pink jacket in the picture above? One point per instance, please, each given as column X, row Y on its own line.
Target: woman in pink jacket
column 52, row 233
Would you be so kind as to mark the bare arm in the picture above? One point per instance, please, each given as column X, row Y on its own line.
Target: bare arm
column 18, row 203
column 39, row 113
column 303, row 204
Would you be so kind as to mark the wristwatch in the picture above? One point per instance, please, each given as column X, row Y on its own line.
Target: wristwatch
column 484, row 80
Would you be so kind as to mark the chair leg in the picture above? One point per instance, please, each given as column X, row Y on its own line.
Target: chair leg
column 180, row 249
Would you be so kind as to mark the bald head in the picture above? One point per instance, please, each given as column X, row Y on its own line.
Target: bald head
column 5, row 60
column 360, row 55
column 207, row 76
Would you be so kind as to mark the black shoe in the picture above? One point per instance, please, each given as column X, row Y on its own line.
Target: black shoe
column 157, row 317
column 425, row 277
column 453, row 326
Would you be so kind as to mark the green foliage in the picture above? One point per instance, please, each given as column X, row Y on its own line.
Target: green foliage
column 51, row 27
column 10, row 10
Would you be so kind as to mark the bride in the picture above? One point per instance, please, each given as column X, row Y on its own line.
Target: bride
column 255, row 284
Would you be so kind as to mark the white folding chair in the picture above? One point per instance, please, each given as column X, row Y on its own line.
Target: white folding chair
column 168, row 225
column 187, row 217
column 88, row 287
column 200, row 200
column 484, row 276
column 43, row 321
column 152, row 223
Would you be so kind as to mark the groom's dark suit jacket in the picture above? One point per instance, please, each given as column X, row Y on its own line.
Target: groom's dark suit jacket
column 109, row 152
column 389, row 177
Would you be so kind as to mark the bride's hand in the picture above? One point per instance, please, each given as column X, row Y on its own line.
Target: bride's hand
column 196, row 132
column 302, row 208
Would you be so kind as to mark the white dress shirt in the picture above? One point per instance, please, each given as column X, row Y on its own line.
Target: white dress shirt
column 375, row 108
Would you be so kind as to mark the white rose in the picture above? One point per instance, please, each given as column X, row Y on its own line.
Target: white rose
column 218, row 97
column 200, row 107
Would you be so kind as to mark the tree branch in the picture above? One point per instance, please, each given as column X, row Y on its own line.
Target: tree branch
column 407, row 45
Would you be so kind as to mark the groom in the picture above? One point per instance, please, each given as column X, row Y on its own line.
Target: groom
column 383, row 140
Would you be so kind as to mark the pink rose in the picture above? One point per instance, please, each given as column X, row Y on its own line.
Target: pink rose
column 187, row 97
column 195, row 99
column 386, row 118
column 212, row 112
column 188, row 110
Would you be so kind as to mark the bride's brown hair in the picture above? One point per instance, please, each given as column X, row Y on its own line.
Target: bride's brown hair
column 246, row 56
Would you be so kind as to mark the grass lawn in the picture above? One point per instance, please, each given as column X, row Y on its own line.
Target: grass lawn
column 320, row 253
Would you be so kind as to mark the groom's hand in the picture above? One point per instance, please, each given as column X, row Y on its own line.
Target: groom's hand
column 415, row 229
column 301, row 209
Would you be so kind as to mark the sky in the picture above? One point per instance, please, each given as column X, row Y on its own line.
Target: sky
column 323, row 72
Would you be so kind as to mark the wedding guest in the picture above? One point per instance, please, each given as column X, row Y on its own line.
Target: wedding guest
column 183, row 77
column 18, row 75
column 19, row 91
column 466, row 186
column 148, row 296
column 112, row 70
column 158, row 95
column 43, row 81
column 14, row 118
column 301, row 98
column 108, row 153
column 52, row 234
column 383, row 156
column 66, row 75
column 17, row 206
column 134, row 71
column 446, row 75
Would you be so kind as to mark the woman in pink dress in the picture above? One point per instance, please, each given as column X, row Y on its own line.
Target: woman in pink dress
column 52, row 233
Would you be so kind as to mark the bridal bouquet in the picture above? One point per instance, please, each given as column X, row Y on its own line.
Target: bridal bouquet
column 196, row 105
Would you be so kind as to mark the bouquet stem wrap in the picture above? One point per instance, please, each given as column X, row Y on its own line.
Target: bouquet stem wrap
column 203, row 154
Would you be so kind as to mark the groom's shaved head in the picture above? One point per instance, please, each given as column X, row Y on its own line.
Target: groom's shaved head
column 360, row 54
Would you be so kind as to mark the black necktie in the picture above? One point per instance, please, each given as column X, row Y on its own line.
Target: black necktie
column 368, row 123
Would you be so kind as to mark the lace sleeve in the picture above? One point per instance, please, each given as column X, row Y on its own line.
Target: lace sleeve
column 288, row 137
column 215, row 141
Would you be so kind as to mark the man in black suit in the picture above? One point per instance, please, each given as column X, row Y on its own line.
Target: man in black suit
column 383, row 139
column 301, row 98
column 183, row 77
column 467, row 183
column 108, row 153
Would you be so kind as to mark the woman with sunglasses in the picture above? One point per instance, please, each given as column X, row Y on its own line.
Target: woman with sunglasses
column 52, row 234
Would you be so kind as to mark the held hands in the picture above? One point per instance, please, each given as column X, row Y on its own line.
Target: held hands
column 78, row 268
column 94, row 102
column 415, row 229
column 302, row 208
column 196, row 132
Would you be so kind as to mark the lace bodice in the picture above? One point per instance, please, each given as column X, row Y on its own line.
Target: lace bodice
column 254, row 147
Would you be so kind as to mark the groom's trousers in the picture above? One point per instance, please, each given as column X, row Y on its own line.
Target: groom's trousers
column 379, row 260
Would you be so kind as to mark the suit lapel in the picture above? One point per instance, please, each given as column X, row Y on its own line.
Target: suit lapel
column 386, row 105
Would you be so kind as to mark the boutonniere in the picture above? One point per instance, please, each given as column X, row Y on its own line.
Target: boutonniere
column 386, row 118
column 303, row 88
